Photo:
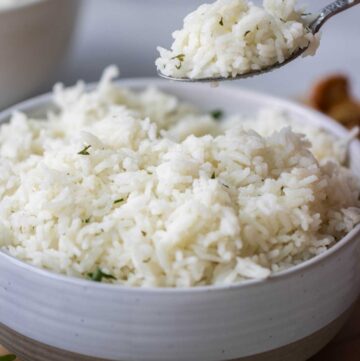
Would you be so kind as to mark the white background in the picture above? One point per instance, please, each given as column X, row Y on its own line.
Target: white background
column 126, row 33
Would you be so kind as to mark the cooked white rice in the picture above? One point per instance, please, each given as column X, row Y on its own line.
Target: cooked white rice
column 231, row 37
column 113, row 181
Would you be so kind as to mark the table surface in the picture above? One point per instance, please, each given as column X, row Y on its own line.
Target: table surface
column 345, row 347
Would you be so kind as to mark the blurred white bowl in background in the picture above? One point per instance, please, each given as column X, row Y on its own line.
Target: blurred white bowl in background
column 34, row 36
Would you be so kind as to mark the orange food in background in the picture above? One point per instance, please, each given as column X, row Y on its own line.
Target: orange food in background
column 332, row 96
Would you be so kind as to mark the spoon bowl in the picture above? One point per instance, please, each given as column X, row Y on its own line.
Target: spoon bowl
column 250, row 74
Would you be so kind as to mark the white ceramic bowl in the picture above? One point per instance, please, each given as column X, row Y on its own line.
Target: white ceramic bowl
column 34, row 36
column 44, row 316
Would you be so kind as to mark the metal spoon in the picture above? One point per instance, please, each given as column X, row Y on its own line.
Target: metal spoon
column 315, row 25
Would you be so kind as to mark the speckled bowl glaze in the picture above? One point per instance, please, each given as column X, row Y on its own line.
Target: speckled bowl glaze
column 288, row 317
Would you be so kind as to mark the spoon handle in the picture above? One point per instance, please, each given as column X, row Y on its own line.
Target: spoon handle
column 330, row 10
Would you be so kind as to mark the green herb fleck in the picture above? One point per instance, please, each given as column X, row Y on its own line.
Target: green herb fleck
column 226, row 186
column 305, row 14
column 179, row 57
column 247, row 33
column 143, row 233
column 221, row 22
column 85, row 150
column 217, row 114
column 8, row 358
column 87, row 220
column 213, row 176
column 147, row 260
column 282, row 20
column 116, row 201
column 98, row 275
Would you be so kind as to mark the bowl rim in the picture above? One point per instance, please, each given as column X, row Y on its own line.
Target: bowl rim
column 13, row 7
column 352, row 236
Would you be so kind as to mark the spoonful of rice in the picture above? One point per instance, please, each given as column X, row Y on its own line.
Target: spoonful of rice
column 235, row 39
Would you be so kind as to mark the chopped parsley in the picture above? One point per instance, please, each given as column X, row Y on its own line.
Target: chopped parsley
column 179, row 57
column 221, row 22
column 98, row 275
column 85, row 150
column 213, row 176
column 247, row 33
column 217, row 114
column 143, row 233
column 116, row 201
column 8, row 358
